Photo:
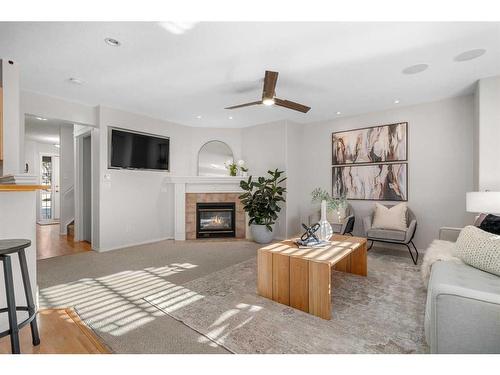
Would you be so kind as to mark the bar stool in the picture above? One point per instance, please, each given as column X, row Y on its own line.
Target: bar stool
column 10, row 247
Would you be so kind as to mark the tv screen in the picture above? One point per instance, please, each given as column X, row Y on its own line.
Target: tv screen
column 130, row 150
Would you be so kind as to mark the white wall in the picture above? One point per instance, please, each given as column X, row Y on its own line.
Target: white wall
column 12, row 131
column 57, row 108
column 136, row 206
column 67, row 177
column 294, row 174
column 440, row 167
column 487, row 137
column 263, row 149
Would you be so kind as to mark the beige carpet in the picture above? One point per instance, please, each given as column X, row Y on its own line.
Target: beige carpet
column 126, row 296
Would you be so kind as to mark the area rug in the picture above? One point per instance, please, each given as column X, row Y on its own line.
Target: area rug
column 381, row 313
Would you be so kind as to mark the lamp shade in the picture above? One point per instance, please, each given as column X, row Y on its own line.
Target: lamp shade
column 487, row 202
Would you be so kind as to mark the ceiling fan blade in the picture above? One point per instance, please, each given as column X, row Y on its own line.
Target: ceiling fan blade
column 244, row 105
column 269, row 84
column 291, row 105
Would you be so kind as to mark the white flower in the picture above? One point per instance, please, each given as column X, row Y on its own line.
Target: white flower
column 241, row 163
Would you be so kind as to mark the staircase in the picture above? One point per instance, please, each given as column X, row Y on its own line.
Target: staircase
column 70, row 229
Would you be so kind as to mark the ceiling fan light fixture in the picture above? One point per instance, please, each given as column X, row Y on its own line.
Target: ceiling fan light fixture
column 268, row 101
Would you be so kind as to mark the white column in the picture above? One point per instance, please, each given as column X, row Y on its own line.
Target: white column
column 12, row 132
column 180, row 211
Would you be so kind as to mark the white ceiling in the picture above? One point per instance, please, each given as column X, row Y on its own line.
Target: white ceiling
column 349, row 67
column 43, row 131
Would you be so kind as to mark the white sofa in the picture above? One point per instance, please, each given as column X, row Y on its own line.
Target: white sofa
column 463, row 307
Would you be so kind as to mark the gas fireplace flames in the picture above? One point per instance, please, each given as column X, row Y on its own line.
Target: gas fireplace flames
column 217, row 220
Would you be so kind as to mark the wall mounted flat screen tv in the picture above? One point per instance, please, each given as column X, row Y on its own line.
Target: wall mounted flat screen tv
column 133, row 150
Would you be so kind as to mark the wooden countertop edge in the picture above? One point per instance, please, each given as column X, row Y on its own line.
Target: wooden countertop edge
column 13, row 187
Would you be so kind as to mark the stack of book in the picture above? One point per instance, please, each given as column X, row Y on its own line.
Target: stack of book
column 311, row 243
column 19, row 179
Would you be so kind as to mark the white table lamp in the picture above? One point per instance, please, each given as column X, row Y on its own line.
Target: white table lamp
column 487, row 202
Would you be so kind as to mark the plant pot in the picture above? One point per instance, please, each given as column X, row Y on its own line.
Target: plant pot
column 261, row 234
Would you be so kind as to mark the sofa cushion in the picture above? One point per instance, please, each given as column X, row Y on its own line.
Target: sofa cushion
column 387, row 234
column 390, row 217
column 479, row 249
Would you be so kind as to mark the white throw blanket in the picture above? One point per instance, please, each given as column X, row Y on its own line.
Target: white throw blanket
column 437, row 250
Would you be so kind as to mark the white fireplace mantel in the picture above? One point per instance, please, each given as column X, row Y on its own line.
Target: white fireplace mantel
column 196, row 184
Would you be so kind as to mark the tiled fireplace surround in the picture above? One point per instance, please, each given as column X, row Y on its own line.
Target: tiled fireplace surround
column 193, row 198
column 189, row 190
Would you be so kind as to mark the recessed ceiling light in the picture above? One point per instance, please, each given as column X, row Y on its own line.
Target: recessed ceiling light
column 41, row 118
column 56, row 145
column 268, row 101
column 177, row 27
column 198, row 117
column 470, row 55
column 396, row 101
column 418, row 68
column 76, row 81
column 112, row 42
column 230, row 117
column 339, row 113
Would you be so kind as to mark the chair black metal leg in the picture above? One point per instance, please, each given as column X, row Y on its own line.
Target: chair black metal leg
column 11, row 305
column 371, row 245
column 29, row 297
column 411, row 254
column 416, row 250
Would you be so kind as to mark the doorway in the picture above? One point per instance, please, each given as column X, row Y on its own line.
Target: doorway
column 86, row 193
column 83, row 186
column 50, row 156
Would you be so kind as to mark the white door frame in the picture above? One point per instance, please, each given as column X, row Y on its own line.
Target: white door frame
column 78, row 186
column 52, row 187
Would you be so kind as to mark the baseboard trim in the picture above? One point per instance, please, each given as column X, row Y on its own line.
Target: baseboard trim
column 126, row 246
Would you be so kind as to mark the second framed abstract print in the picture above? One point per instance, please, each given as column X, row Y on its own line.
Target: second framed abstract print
column 381, row 182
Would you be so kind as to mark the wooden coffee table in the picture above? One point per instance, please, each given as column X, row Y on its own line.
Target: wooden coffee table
column 301, row 278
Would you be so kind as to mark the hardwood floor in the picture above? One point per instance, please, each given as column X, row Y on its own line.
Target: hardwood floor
column 61, row 332
column 49, row 243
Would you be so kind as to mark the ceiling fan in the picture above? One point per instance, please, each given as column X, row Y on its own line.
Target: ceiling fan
column 268, row 97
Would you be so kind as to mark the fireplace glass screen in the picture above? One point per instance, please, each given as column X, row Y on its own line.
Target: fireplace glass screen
column 215, row 220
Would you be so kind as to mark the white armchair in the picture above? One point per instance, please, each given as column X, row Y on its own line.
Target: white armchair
column 393, row 236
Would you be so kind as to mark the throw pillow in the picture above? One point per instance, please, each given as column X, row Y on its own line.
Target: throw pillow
column 491, row 223
column 479, row 249
column 390, row 217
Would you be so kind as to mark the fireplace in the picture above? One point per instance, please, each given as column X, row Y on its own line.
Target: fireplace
column 215, row 220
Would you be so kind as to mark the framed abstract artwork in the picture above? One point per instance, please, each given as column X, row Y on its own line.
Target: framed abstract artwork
column 383, row 182
column 376, row 144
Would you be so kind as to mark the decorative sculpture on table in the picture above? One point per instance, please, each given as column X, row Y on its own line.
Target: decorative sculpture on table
column 310, row 238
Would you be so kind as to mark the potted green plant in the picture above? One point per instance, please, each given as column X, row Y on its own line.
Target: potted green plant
column 232, row 167
column 261, row 200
